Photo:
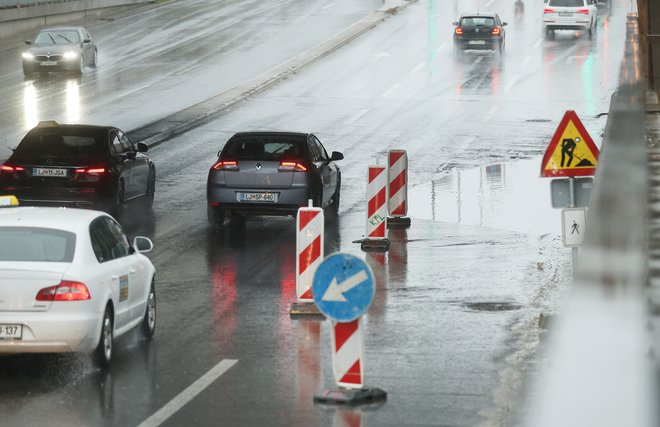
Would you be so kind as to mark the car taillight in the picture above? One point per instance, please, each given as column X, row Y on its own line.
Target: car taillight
column 291, row 166
column 548, row 10
column 225, row 165
column 496, row 31
column 583, row 11
column 90, row 171
column 10, row 169
column 65, row 291
column 458, row 31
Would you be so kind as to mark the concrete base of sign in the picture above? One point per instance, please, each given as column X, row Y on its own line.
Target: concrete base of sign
column 351, row 397
column 398, row 222
column 374, row 245
column 304, row 309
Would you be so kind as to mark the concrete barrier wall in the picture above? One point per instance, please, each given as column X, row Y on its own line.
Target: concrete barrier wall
column 20, row 23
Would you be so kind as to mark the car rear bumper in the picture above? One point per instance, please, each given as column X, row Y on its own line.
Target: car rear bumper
column 478, row 44
column 558, row 24
column 288, row 201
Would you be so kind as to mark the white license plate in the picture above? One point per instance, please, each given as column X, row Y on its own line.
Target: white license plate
column 11, row 332
column 48, row 63
column 49, row 172
column 565, row 13
column 477, row 42
column 258, row 197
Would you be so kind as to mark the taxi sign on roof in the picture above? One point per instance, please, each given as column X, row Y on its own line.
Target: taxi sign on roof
column 8, row 201
column 571, row 151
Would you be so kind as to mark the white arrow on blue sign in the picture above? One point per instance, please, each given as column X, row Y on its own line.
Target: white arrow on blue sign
column 343, row 287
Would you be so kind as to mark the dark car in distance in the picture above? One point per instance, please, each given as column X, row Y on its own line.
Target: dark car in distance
column 272, row 173
column 60, row 49
column 479, row 31
column 78, row 165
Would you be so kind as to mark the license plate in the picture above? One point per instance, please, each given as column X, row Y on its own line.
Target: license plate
column 48, row 63
column 477, row 42
column 11, row 332
column 258, row 197
column 58, row 173
column 565, row 13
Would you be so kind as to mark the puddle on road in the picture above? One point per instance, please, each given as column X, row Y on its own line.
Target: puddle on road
column 509, row 196
column 492, row 306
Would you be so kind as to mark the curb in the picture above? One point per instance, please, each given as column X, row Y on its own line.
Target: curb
column 199, row 114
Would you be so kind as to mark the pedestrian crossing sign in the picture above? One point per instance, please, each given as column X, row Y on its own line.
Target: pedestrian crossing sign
column 571, row 151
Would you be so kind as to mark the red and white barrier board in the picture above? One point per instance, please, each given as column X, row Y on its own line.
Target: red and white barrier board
column 376, row 202
column 309, row 245
column 347, row 350
column 397, row 174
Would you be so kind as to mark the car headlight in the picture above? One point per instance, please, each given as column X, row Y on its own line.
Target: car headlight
column 28, row 55
column 70, row 55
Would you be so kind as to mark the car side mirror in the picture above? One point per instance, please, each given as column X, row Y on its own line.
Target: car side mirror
column 28, row 41
column 454, row 23
column 336, row 155
column 504, row 24
column 143, row 244
column 142, row 147
column 87, row 41
column 131, row 155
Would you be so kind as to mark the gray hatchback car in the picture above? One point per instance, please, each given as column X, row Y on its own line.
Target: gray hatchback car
column 272, row 173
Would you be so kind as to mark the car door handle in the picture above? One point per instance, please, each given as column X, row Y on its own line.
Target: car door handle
column 131, row 272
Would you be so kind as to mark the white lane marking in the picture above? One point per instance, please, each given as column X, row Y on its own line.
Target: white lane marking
column 526, row 60
column 419, row 67
column 442, row 46
column 358, row 116
column 538, row 42
column 391, row 90
column 479, row 59
column 490, row 2
column 378, row 56
column 188, row 394
column 490, row 114
column 513, row 81
column 327, row 6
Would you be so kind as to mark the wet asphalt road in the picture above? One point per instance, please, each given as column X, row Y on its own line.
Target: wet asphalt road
column 453, row 326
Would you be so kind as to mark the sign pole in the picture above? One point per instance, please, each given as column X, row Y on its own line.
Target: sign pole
column 571, row 204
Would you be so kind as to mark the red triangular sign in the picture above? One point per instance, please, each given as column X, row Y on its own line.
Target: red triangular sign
column 571, row 151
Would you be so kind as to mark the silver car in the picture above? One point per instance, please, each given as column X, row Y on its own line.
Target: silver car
column 60, row 49
column 272, row 173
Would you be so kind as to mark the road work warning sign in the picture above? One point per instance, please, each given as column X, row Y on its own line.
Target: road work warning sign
column 571, row 151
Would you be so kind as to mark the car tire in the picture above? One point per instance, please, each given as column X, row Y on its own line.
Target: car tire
column 27, row 73
column 148, row 326
column 317, row 200
column 549, row 34
column 95, row 59
column 150, row 191
column 118, row 201
column 103, row 352
column 216, row 217
column 81, row 66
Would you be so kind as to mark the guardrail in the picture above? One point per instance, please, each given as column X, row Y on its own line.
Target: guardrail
column 599, row 371
column 8, row 4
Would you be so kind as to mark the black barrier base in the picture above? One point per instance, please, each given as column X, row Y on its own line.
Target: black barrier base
column 304, row 309
column 398, row 222
column 374, row 245
column 351, row 397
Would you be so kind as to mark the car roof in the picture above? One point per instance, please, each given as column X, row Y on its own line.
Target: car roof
column 485, row 15
column 67, row 126
column 270, row 133
column 69, row 28
column 69, row 219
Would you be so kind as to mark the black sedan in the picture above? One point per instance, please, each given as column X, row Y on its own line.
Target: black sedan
column 272, row 173
column 60, row 49
column 479, row 31
column 78, row 165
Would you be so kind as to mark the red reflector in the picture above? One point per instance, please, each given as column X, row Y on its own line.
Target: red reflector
column 227, row 165
column 458, row 31
column 548, row 10
column 9, row 168
column 291, row 166
column 65, row 291
column 91, row 171
column 496, row 31
column 583, row 11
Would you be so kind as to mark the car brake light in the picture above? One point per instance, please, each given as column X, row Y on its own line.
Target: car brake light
column 225, row 165
column 91, row 171
column 9, row 168
column 458, row 31
column 583, row 11
column 65, row 291
column 548, row 10
column 496, row 31
column 291, row 166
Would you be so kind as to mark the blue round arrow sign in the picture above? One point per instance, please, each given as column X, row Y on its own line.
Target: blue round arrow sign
column 343, row 287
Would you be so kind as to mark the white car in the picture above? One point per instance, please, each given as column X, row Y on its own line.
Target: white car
column 569, row 15
column 70, row 281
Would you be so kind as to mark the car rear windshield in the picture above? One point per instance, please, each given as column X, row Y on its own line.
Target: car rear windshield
column 265, row 149
column 57, row 37
column 566, row 3
column 34, row 244
column 73, row 146
column 477, row 21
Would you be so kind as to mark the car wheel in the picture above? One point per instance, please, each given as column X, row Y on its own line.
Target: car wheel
column 150, row 191
column 149, row 322
column 317, row 200
column 81, row 66
column 27, row 73
column 118, row 203
column 216, row 217
column 95, row 59
column 549, row 34
column 103, row 352
column 335, row 203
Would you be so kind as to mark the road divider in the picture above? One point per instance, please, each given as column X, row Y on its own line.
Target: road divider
column 397, row 178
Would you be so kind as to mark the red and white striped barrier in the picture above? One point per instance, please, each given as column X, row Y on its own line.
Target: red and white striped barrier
column 397, row 174
column 347, row 350
column 376, row 202
column 309, row 254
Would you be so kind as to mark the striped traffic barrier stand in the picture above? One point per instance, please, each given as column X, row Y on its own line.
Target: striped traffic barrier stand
column 397, row 179
column 375, row 239
column 343, row 288
column 309, row 254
